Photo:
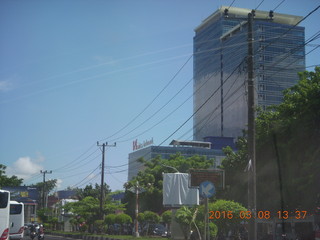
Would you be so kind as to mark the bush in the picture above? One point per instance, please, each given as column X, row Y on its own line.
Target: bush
column 99, row 226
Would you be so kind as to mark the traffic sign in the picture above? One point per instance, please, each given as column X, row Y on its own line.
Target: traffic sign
column 215, row 176
column 207, row 189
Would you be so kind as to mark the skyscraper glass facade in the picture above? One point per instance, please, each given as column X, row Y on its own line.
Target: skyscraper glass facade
column 220, row 67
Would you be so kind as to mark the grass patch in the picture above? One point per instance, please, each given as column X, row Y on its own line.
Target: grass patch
column 132, row 237
column 109, row 236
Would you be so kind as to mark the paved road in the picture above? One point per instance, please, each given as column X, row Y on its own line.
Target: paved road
column 47, row 237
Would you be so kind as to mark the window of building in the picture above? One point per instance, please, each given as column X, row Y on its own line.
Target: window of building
column 262, row 87
column 261, row 96
column 261, row 77
column 261, row 67
column 261, row 57
column 261, row 28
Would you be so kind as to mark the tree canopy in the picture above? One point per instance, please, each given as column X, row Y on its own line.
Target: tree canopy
column 89, row 190
column 287, row 140
column 6, row 181
column 151, row 179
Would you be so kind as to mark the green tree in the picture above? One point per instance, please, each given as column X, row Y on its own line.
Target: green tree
column 234, row 165
column 89, row 209
column 141, row 217
column 49, row 185
column 184, row 216
column 224, row 214
column 150, row 218
column 6, row 181
column 123, row 219
column 166, row 217
column 288, row 137
column 110, row 219
column 151, row 179
column 43, row 215
column 99, row 226
column 91, row 191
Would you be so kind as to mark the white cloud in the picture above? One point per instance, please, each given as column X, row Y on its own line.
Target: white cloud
column 59, row 183
column 24, row 168
column 5, row 85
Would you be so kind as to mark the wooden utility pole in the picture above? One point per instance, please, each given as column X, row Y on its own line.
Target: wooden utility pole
column 104, row 145
column 252, row 199
column 44, row 202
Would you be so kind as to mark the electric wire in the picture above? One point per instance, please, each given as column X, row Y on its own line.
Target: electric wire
column 162, row 108
column 295, row 25
column 299, row 22
column 73, row 186
column 231, row 4
column 266, row 46
column 89, row 180
column 155, row 113
column 212, row 75
column 168, row 115
column 77, row 166
column 75, row 160
column 208, row 119
column 292, row 27
column 279, row 5
column 213, row 111
column 153, row 100
column 259, row 4
column 198, row 109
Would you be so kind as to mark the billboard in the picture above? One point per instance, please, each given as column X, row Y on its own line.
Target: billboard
column 23, row 194
column 176, row 192
column 216, row 176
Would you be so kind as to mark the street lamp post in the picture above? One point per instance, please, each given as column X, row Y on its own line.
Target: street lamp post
column 136, row 189
column 136, row 234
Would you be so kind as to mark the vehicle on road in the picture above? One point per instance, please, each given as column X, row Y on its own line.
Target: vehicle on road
column 33, row 234
column 17, row 220
column 4, row 214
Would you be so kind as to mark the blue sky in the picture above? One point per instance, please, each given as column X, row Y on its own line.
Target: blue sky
column 76, row 72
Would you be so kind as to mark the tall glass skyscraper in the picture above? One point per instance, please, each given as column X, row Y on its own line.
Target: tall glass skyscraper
column 220, row 67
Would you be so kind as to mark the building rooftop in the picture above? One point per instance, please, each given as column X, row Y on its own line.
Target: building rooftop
column 191, row 143
column 243, row 12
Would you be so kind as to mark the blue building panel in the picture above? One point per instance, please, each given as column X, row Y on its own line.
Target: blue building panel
column 220, row 67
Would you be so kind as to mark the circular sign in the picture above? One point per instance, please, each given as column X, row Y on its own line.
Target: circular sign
column 207, row 189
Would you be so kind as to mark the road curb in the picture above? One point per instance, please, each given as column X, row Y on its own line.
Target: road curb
column 79, row 237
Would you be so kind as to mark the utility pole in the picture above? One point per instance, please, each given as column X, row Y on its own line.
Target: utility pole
column 44, row 202
column 252, row 186
column 104, row 145
column 252, row 195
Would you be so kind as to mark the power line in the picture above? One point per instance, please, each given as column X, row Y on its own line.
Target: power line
column 283, row 1
column 259, row 4
column 292, row 27
column 77, row 184
column 279, row 5
column 268, row 45
column 155, row 113
column 76, row 159
column 171, row 80
column 231, row 4
column 199, row 108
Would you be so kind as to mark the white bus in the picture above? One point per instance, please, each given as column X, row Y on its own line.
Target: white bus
column 16, row 220
column 4, row 214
